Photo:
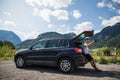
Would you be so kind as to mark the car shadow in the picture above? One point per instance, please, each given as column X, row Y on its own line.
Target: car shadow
column 78, row 72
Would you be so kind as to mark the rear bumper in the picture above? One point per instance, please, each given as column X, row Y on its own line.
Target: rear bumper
column 80, row 60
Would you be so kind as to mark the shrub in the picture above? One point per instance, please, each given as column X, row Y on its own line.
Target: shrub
column 104, row 60
column 4, row 50
column 99, row 52
column 118, row 60
column 103, row 51
column 6, row 53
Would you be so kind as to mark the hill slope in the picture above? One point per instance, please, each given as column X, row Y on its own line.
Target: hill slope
column 9, row 36
column 109, row 36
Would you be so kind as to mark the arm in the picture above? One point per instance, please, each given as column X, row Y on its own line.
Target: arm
column 88, row 44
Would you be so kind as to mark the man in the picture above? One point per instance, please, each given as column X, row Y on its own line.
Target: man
column 86, row 45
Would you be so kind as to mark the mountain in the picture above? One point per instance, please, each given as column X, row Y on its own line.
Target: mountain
column 9, row 36
column 109, row 36
column 46, row 35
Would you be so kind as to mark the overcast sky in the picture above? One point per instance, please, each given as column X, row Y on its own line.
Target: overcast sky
column 29, row 18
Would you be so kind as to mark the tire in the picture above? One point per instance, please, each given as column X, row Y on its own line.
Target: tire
column 66, row 65
column 20, row 62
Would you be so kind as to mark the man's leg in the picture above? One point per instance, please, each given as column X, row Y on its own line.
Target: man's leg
column 92, row 62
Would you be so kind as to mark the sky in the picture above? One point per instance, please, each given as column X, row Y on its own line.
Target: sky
column 29, row 18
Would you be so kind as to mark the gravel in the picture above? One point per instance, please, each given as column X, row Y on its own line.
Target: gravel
column 8, row 71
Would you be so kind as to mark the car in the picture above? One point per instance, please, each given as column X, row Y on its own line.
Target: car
column 64, row 53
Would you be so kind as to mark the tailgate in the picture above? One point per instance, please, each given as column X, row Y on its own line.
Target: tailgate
column 83, row 35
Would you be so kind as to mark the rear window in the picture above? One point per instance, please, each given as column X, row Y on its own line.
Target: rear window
column 63, row 43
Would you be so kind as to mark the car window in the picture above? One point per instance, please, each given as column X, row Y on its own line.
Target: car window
column 52, row 44
column 82, row 36
column 63, row 43
column 39, row 45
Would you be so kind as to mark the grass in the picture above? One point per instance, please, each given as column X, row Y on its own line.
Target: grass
column 107, row 59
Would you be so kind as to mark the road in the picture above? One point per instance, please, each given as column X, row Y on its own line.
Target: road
column 8, row 71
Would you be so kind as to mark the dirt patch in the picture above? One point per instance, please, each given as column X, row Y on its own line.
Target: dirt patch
column 8, row 71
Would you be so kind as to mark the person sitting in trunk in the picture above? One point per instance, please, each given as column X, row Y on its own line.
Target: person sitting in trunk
column 90, row 59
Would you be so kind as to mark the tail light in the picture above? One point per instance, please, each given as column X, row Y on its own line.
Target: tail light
column 78, row 50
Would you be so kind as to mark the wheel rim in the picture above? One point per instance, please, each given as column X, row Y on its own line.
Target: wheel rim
column 20, row 62
column 65, row 65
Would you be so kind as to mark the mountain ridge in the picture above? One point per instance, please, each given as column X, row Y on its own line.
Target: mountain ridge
column 109, row 36
column 9, row 36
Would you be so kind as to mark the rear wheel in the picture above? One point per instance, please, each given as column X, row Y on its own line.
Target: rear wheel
column 66, row 65
column 20, row 62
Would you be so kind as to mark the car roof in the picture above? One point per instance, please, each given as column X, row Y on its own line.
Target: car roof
column 55, row 39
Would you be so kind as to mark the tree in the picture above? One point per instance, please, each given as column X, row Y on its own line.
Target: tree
column 7, row 43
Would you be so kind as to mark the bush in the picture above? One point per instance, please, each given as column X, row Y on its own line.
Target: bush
column 6, row 53
column 103, row 51
column 115, row 59
column 7, row 43
column 104, row 60
column 118, row 60
column 99, row 52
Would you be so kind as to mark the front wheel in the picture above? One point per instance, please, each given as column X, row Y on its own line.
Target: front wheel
column 66, row 65
column 20, row 62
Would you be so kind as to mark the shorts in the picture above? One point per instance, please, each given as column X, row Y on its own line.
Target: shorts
column 89, row 57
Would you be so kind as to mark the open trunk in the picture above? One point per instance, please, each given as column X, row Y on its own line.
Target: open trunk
column 83, row 35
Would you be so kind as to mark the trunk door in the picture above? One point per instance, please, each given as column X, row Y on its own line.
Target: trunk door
column 83, row 35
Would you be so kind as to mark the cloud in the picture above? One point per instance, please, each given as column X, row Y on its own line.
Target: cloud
column 51, row 26
column 60, row 14
column 101, row 4
column 111, row 21
column 110, row 6
column 10, row 23
column 76, row 14
column 11, row 26
column 118, row 11
column 49, row 3
column 82, row 26
column 116, row 1
column 7, row 13
column 47, row 8
column 59, row 28
column 25, row 36
column 44, row 13
column 99, row 17
column 7, row 25
column 47, row 13
column 96, row 31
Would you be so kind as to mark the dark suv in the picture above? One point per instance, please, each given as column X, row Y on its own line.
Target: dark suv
column 66, row 54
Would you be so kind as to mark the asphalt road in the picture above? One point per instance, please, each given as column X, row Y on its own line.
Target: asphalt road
column 8, row 71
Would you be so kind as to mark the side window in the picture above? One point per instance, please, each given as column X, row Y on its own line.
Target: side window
column 52, row 44
column 63, row 43
column 40, row 45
